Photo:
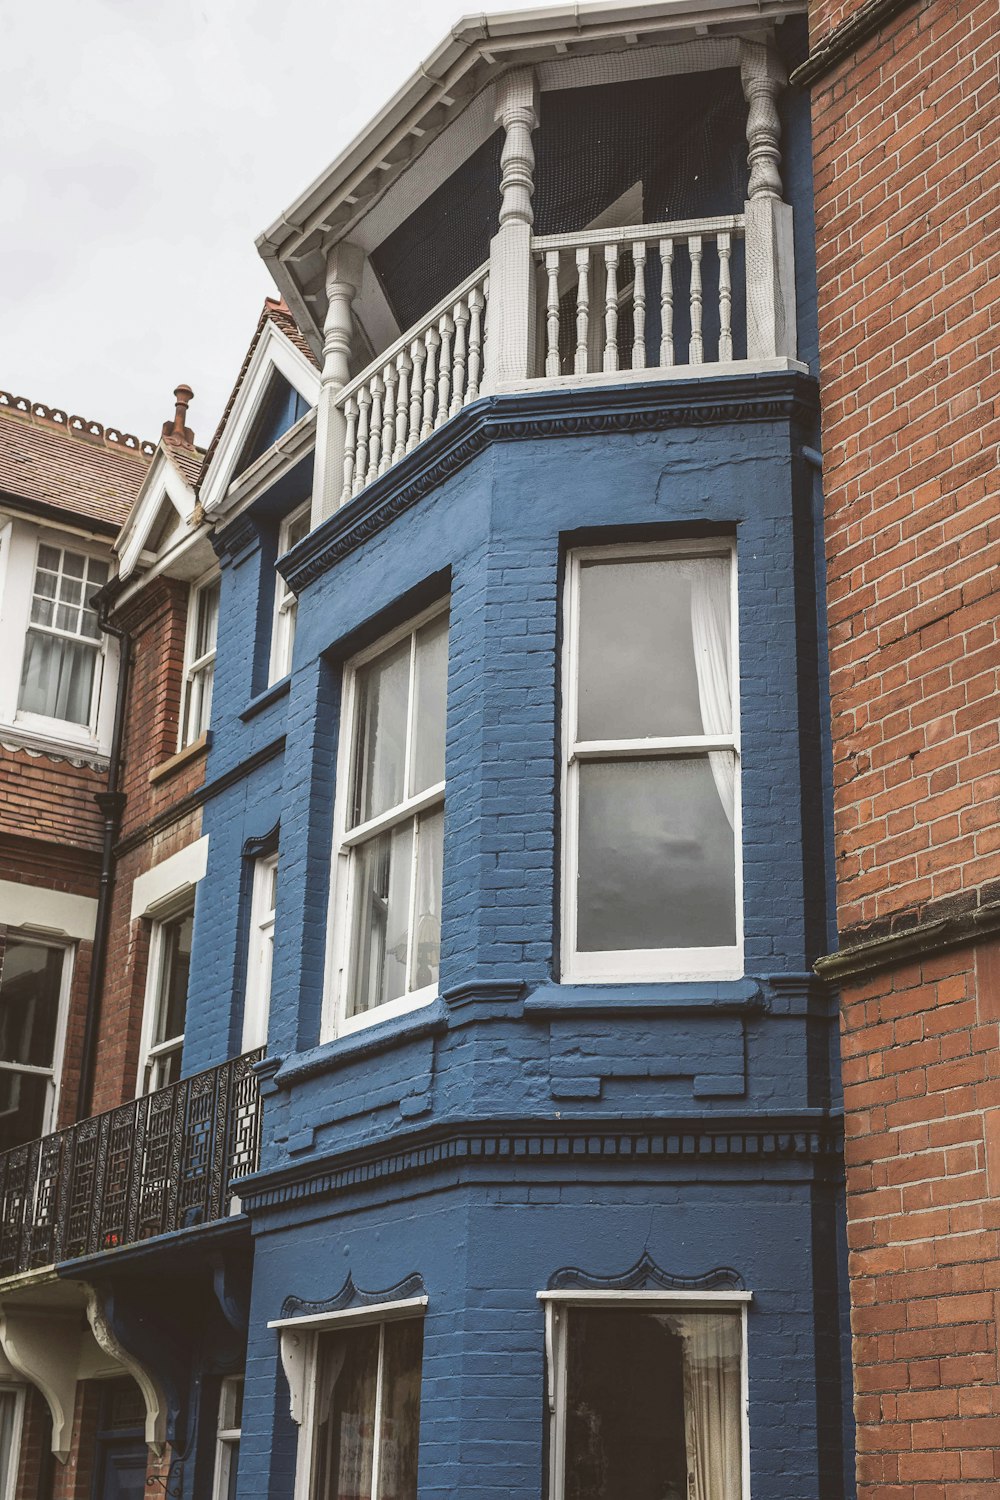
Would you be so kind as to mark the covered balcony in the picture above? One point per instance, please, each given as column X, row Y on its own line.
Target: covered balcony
column 595, row 205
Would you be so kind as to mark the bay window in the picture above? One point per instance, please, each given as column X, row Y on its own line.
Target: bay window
column 647, row 1396
column 293, row 529
column 60, row 669
column 651, row 764
column 199, row 660
column 390, row 825
column 34, row 986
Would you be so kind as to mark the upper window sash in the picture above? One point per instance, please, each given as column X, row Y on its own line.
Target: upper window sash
column 167, row 981
column 260, row 956
column 199, row 659
column 61, row 673
column 293, row 529
column 678, row 714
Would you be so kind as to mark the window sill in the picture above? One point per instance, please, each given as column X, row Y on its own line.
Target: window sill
column 46, row 741
column 191, row 752
column 264, row 700
column 380, row 1036
column 722, row 997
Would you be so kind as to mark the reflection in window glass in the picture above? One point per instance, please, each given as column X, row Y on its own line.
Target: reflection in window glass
column 31, row 985
column 367, row 1422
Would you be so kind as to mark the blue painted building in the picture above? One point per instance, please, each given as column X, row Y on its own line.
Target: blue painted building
column 516, row 804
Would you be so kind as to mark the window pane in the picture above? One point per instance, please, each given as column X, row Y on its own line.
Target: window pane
column 296, row 530
column 73, row 564
column 382, row 870
column 346, row 1376
column 8, row 1456
column 380, row 746
column 48, row 557
column 653, row 1406
column 654, row 648
column 427, row 752
column 400, row 1437
column 175, row 970
column 426, row 958
column 24, row 1107
column 57, row 678
column 30, row 983
column 206, row 622
column 657, row 856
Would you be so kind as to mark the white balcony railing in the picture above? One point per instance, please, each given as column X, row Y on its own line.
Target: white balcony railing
column 415, row 385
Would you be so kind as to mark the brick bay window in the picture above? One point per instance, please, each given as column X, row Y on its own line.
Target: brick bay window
column 647, row 1395
column 651, row 806
column 61, row 668
column 199, row 660
column 389, row 832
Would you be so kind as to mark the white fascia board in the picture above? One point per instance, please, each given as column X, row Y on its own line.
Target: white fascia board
column 274, row 351
column 51, row 913
column 164, row 481
column 172, row 878
column 473, row 40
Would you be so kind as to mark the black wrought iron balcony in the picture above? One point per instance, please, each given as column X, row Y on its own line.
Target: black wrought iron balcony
column 162, row 1162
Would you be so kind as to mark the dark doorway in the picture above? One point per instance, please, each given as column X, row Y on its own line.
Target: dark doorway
column 120, row 1459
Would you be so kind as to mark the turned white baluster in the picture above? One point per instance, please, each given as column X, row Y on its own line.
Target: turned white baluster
column 582, row 311
column 725, row 297
column 696, row 352
column 418, row 355
column 350, row 449
column 552, row 313
column 446, row 328
column 388, row 418
column 343, row 278
column 364, row 428
column 770, row 256
column 510, row 348
column 477, row 303
column 611, row 307
column 432, row 341
column 375, row 430
column 666, row 302
column 460, row 315
column 403, row 367
column 639, row 306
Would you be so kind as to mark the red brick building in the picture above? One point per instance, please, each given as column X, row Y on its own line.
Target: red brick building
column 907, row 176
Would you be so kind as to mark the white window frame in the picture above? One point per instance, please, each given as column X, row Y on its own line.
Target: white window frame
column 285, row 603
column 197, row 667
column 8, row 1480
column 227, row 1436
column 556, row 1304
column 345, row 841
column 160, row 917
column 53, row 1074
column 641, row 964
column 260, row 954
column 19, row 544
column 299, row 1357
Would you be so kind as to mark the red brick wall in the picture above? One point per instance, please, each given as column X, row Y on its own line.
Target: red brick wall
column 35, row 1436
column 74, row 1479
column 921, row 1053
column 51, row 799
column 907, row 172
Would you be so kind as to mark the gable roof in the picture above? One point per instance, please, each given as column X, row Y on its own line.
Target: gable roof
column 276, row 344
column 163, row 505
column 54, row 463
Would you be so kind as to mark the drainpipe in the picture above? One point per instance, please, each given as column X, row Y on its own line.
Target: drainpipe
column 111, row 803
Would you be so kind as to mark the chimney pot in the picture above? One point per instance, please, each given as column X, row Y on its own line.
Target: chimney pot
column 177, row 431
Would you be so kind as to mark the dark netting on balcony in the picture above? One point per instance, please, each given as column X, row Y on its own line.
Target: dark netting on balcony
column 641, row 152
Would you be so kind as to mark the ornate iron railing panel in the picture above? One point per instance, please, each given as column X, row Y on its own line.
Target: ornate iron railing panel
column 162, row 1162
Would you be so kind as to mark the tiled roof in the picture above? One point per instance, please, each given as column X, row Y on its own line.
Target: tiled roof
column 69, row 463
column 187, row 458
column 274, row 311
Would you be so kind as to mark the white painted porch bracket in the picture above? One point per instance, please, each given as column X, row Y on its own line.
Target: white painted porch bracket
column 414, row 386
column 577, row 264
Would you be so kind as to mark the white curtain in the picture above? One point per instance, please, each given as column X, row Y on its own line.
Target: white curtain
column 710, row 632
column 712, row 1409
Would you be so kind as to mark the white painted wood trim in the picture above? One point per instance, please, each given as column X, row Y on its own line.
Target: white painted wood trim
column 44, row 913
column 667, row 1297
column 171, row 880
column 373, row 1312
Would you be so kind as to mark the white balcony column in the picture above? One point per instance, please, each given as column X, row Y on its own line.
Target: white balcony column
column 510, row 345
column 344, row 266
column 769, row 245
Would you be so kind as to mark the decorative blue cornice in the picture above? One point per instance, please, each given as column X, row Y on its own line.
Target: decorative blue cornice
column 773, row 396
column 351, row 1295
column 647, row 1276
column 236, row 542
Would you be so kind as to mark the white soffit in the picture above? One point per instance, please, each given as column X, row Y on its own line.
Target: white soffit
column 274, row 351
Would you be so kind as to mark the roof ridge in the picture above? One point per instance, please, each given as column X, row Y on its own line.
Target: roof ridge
column 81, row 428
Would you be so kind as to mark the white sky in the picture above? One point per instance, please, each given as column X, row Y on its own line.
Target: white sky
column 146, row 144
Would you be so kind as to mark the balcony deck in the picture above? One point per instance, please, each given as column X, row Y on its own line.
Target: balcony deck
column 162, row 1162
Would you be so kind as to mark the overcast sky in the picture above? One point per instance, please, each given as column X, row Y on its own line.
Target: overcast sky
column 147, row 144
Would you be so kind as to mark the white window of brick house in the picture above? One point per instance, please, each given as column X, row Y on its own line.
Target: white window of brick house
column 199, row 659
column 293, row 529
column 167, row 979
column 355, row 1386
column 12, row 1398
column 651, row 787
column 260, row 952
column 227, row 1438
column 34, row 997
column 647, row 1394
column 389, row 827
